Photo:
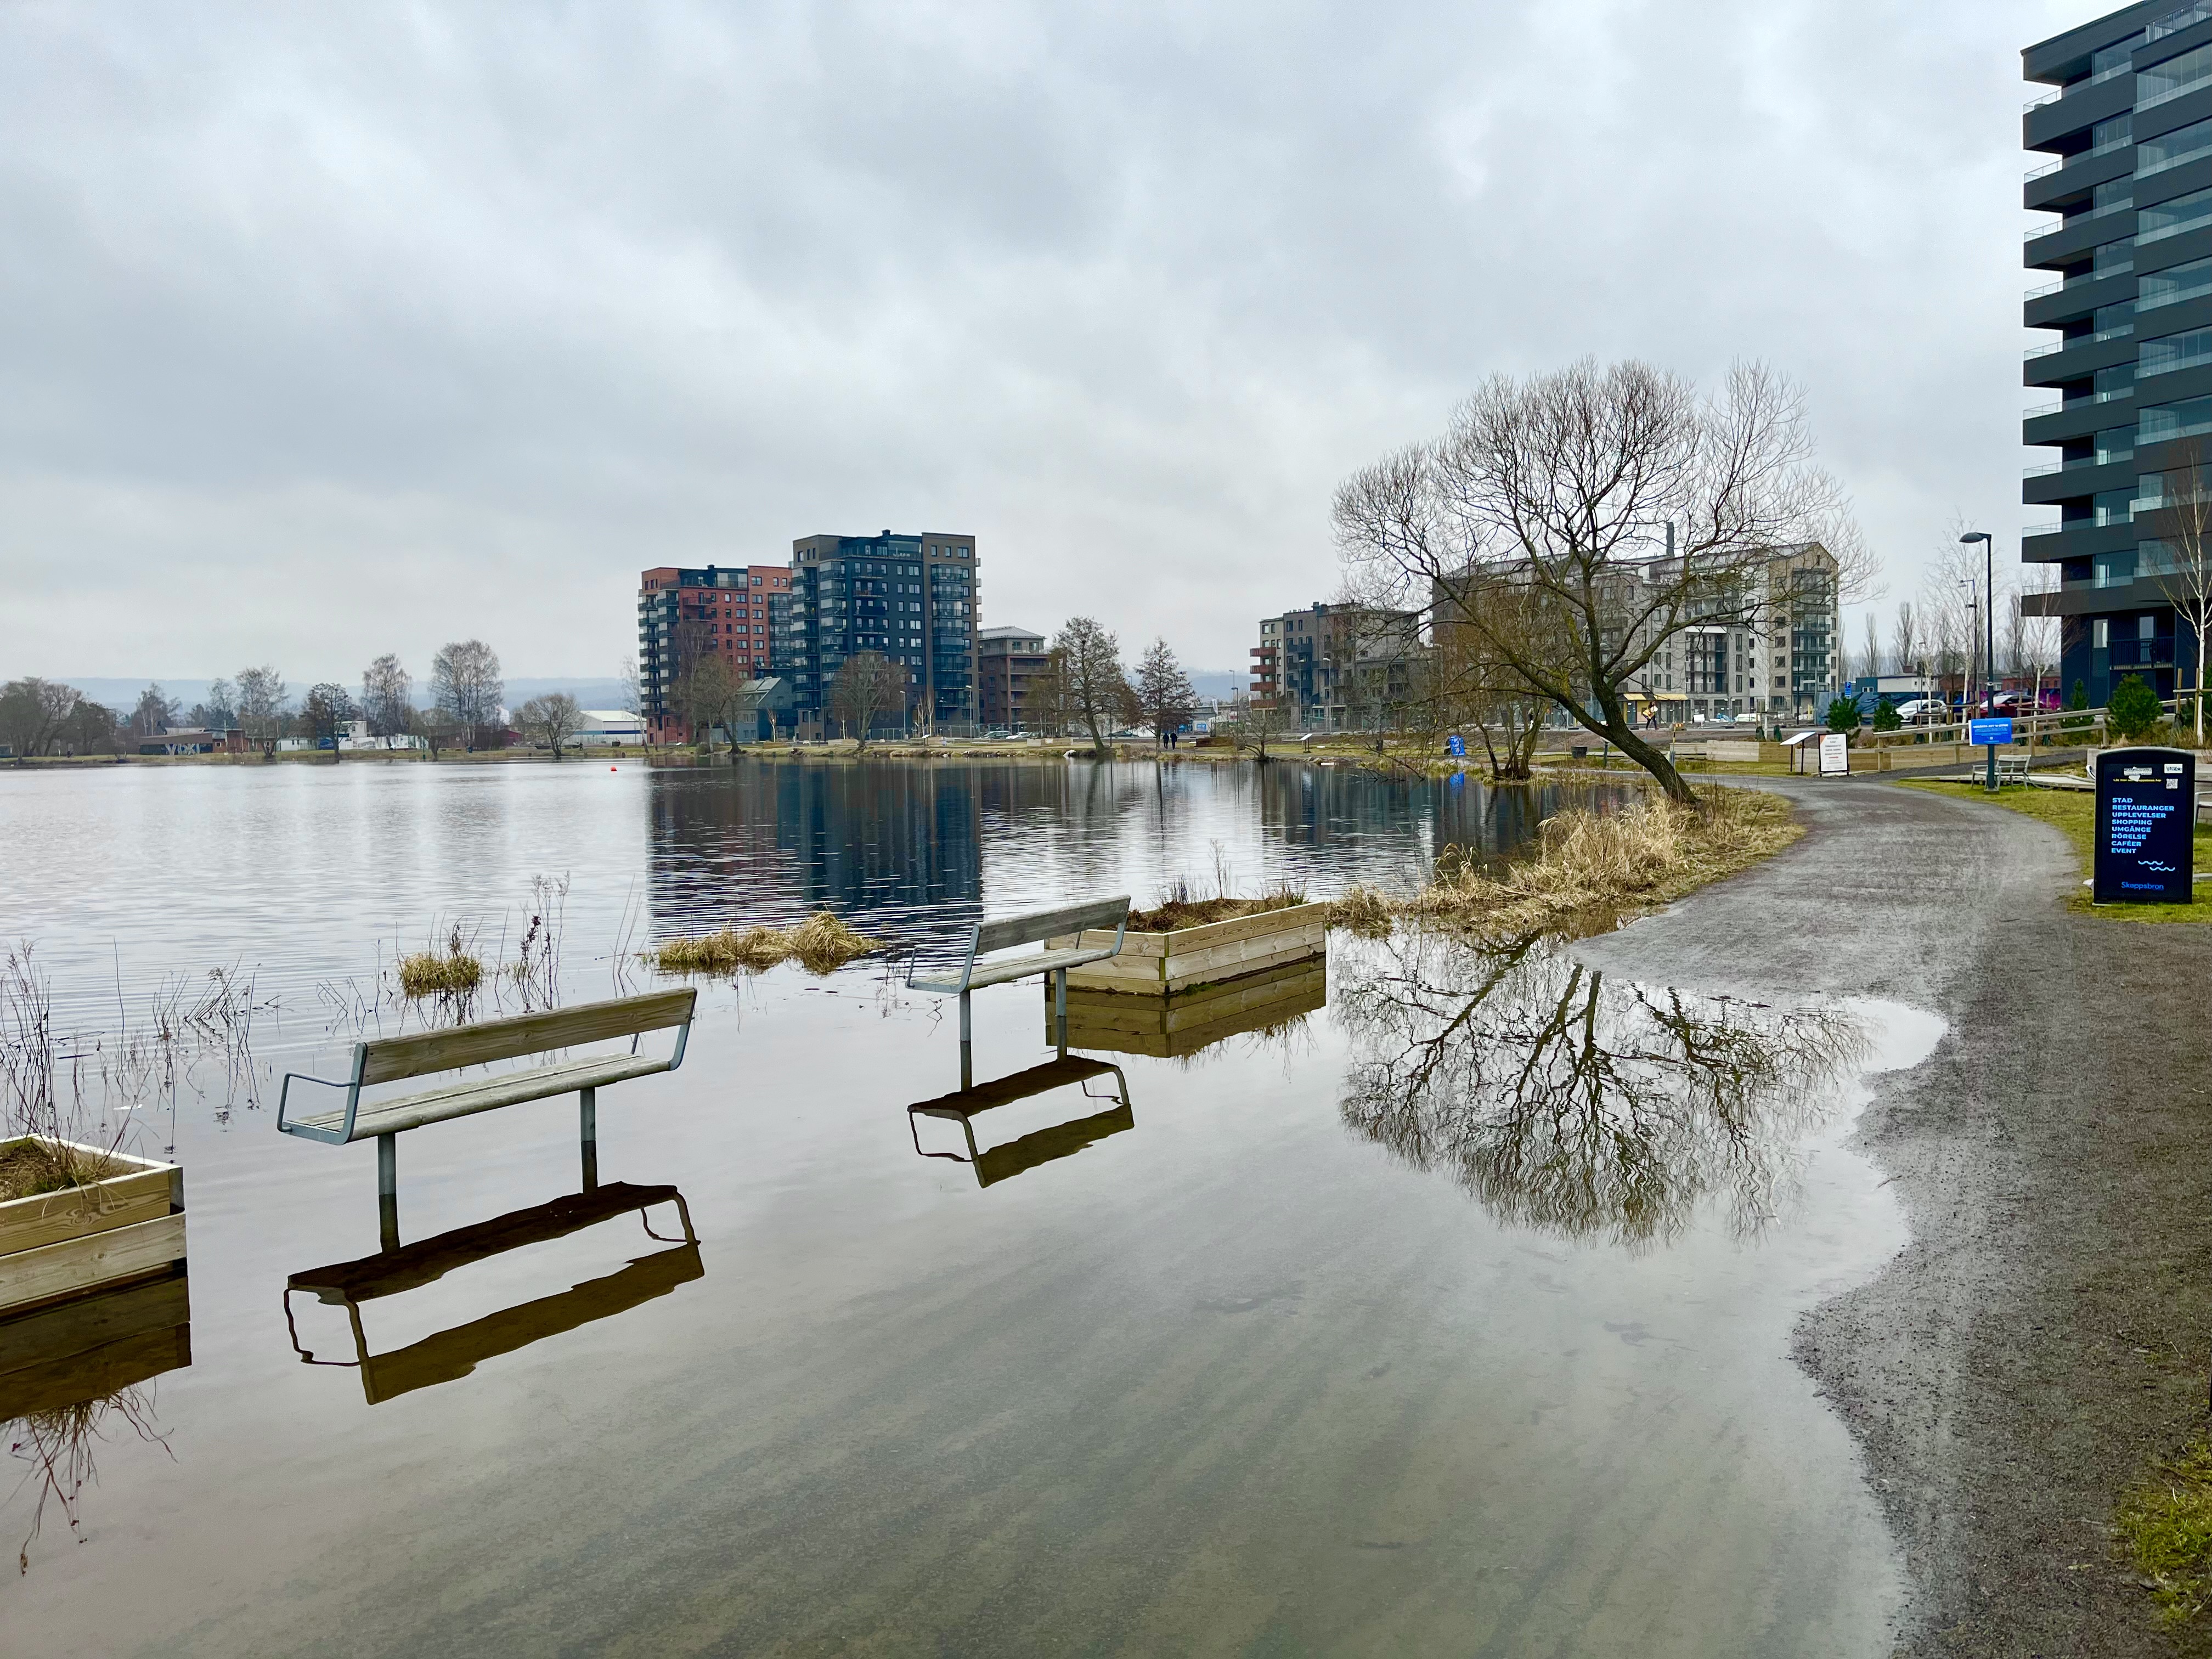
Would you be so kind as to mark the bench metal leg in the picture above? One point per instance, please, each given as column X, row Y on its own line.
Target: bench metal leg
column 588, row 1113
column 387, row 1192
column 967, row 1046
column 1059, row 1008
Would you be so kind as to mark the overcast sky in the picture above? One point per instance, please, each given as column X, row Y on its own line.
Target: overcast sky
column 330, row 330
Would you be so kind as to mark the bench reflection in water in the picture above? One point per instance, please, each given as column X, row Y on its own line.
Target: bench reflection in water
column 997, row 1164
column 452, row 1354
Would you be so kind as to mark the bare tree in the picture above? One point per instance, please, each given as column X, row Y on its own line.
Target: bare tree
column 1562, row 487
column 2038, row 632
column 2180, row 557
column 465, row 683
column 1474, row 687
column 33, row 711
column 632, row 700
column 714, row 692
column 1905, row 638
column 156, row 713
column 868, row 685
column 262, row 701
column 1097, row 691
column 387, row 701
column 1046, row 706
column 217, row 711
column 1870, row 665
column 1164, row 692
column 324, row 715
column 1257, row 724
column 551, row 720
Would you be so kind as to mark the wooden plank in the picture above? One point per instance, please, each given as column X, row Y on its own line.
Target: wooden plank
column 79, row 1264
column 404, row 1112
column 48, row 1217
column 91, row 1321
column 1041, row 925
column 525, row 1034
column 75, row 1379
column 1218, row 973
column 1041, row 962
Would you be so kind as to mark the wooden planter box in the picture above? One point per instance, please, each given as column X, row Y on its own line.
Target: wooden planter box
column 1170, row 1026
column 61, row 1244
column 1152, row 964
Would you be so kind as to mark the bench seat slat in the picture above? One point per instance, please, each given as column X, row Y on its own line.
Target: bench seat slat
column 1012, row 968
column 385, row 1117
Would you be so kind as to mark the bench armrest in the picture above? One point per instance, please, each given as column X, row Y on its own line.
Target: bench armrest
column 351, row 1085
column 967, row 969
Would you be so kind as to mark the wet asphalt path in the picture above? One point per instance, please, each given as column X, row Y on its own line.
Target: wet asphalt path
column 2045, row 1333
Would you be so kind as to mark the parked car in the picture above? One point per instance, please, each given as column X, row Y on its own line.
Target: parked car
column 1923, row 708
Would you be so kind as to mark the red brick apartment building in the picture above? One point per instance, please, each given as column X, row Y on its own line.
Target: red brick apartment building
column 730, row 611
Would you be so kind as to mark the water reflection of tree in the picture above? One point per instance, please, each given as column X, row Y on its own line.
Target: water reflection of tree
column 59, row 1445
column 1579, row 1104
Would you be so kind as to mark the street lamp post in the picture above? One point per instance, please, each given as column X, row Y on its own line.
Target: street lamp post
column 1989, row 649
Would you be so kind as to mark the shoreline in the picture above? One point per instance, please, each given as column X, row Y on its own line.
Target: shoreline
column 2016, row 1369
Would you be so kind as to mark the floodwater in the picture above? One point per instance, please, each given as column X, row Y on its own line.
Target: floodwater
column 1439, row 1304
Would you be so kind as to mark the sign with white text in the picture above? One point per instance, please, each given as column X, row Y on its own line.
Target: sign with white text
column 2146, row 822
column 1988, row 732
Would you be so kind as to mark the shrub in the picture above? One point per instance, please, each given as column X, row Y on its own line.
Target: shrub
column 1843, row 714
column 1887, row 719
column 2134, row 707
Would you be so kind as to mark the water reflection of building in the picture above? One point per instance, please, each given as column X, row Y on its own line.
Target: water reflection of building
column 771, row 842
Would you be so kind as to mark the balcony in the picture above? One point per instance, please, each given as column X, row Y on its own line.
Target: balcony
column 2174, row 22
column 2078, row 86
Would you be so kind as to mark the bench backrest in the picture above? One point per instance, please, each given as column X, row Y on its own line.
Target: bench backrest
column 389, row 1058
column 1035, row 929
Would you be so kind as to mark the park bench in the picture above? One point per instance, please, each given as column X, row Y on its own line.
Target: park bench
column 391, row 1059
column 2012, row 769
column 1010, row 932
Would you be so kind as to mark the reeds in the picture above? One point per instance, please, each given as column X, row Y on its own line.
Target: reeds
column 1180, row 906
column 1590, row 867
column 821, row 944
column 1361, row 910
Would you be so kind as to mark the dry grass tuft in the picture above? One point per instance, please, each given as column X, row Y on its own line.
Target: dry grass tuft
column 2166, row 1527
column 821, row 944
column 31, row 1167
column 1179, row 909
column 1591, row 867
column 451, row 972
column 1362, row 911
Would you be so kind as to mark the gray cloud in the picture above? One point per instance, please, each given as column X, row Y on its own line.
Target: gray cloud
column 335, row 331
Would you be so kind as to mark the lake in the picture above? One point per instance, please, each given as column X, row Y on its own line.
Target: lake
column 1437, row 1303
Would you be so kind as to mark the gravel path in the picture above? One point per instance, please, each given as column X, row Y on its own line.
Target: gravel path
column 2044, row 1333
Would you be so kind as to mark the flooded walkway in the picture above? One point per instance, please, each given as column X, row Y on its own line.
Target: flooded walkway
column 1451, row 1315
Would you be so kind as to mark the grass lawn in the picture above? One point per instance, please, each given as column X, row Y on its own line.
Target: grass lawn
column 2075, row 811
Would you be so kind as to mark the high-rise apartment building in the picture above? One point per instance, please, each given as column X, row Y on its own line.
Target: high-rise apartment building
column 683, row 616
column 2124, row 142
column 913, row 597
column 1009, row 661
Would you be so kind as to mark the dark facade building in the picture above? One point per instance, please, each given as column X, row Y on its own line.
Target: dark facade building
column 1338, row 667
column 727, row 612
column 1007, row 660
column 915, row 599
column 2124, row 142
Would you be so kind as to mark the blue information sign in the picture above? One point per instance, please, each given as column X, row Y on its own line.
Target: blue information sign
column 1981, row 731
column 2146, row 817
column 1456, row 746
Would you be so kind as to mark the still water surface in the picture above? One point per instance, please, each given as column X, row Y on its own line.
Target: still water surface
column 1441, row 1304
